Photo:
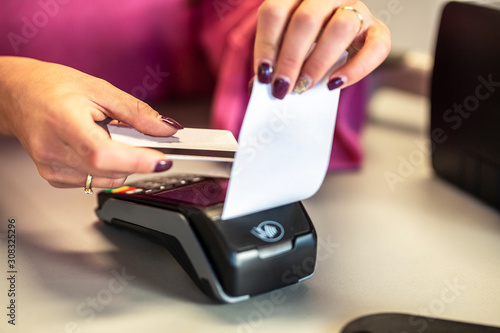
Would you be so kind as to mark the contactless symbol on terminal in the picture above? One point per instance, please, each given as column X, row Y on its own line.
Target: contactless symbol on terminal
column 268, row 231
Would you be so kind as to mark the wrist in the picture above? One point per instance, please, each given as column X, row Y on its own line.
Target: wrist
column 12, row 76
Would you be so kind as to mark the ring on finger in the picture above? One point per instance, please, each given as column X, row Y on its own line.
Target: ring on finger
column 361, row 20
column 88, row 185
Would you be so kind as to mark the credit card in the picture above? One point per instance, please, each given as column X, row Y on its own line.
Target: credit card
column 186, row 144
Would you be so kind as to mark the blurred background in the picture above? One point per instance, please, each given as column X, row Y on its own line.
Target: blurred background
column 413, row 23
column 400, row 87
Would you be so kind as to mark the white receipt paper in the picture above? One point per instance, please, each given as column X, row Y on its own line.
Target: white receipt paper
column 284, row 148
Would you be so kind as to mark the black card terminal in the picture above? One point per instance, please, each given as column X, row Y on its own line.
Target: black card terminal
column 229, row 260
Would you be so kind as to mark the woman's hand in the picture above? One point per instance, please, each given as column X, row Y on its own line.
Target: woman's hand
column 287, row 29
column 52, row 110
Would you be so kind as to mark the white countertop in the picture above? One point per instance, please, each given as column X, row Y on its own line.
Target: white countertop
column 423, row 247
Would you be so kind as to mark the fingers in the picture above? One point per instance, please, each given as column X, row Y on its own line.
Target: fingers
column 65, row 176
column 287, row 31
column 89, row 150
column 107, row 161
column 124, row 107
column 338, row 34
column 374, row 50
column 303, row 29
column 272, row 19
column 77, row 146
column 90, row 146
column 81, row 179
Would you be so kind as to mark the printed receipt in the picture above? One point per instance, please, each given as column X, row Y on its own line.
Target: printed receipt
column 284, row 148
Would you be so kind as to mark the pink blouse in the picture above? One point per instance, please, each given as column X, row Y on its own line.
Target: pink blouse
column 159, row 49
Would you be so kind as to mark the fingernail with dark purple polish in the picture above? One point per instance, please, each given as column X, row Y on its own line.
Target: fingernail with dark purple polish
column 265, row 72
column 335, row 83
column 163, row 165
column 172, row 122
column 280, row 88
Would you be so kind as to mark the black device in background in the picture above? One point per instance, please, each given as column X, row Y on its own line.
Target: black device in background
column 229, row 260
column 407, row 323
column 465, row 99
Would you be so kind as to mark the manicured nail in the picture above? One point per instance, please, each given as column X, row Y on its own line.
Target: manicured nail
column 172, row 122
column 335, row 83
column 303, row 83
column 280, row 88
column 163, row 165
column 265, row 72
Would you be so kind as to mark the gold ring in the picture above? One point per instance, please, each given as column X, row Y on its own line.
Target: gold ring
column 357, row 13
column 88, row 185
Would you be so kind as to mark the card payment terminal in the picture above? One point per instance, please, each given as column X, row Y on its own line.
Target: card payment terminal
column 229, row 260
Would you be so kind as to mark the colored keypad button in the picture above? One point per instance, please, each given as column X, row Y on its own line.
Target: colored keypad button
column 134, row 190
column 121, row 189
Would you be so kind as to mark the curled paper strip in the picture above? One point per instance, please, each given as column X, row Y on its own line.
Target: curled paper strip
column 284, row 148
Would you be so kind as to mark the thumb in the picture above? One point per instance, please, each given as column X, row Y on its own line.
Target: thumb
column 124, row 107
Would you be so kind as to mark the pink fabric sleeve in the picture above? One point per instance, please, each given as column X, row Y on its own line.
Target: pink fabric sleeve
column 228, row 39
column 146, row 48
column 159, row 49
